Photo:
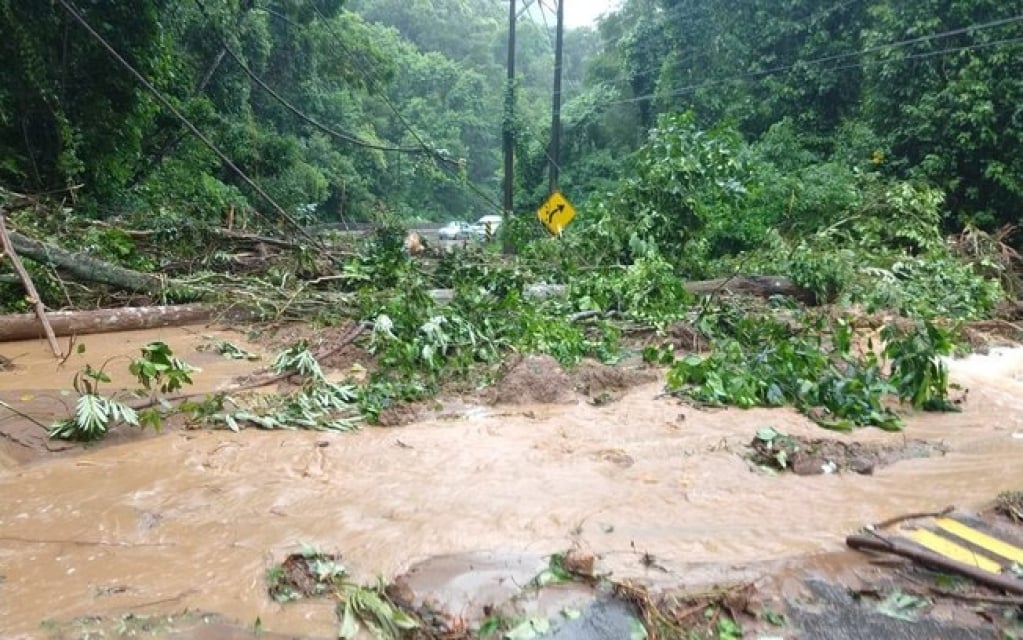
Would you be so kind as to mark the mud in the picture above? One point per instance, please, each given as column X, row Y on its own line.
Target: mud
column 533, row 380
column 542, row 380
column 602, row 384
column 817, row 456
column 659, row 492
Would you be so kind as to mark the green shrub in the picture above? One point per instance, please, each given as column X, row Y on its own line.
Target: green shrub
column 762, row 361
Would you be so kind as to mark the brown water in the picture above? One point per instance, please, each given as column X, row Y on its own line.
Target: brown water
column 40, row 386
column 193, row 519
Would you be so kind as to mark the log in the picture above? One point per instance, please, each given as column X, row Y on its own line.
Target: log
column 760, row 286
column 927, row 558
column 66, row 323
column 89, row 269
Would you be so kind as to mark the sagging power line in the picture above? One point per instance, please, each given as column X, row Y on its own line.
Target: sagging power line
column 754, row 75
column 446, row 163
column 77, row 16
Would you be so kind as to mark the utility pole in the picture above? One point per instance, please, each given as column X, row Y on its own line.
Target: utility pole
column 555, row 151
column 509, row 116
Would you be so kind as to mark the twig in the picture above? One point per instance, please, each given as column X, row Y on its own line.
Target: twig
column 965, row 597
column 163, row 601
column 30, row 288
column 884, row 524
column 23, row 415
column 583, row 315
column 15, row 439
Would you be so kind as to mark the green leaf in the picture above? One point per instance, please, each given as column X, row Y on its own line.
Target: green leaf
column 902, row 606
column 768, row 434
column 349, row 628
column 636, row 630
column 529, row 629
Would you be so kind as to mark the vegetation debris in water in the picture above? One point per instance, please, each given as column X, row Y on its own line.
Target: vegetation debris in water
column 776, row 451
column 311, row 574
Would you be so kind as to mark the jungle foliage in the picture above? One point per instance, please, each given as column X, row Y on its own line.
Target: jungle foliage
column 864, row 150
column 408, row 116
column 926, row 93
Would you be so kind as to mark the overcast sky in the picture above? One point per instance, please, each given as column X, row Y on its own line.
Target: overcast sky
column 580, row 13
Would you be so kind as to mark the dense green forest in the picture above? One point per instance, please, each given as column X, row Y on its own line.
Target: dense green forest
column 411, row 95
column 408, row 100
column 805, row 138
column 391, row 106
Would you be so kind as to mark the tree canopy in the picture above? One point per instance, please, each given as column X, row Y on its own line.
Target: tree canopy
column 343, row 110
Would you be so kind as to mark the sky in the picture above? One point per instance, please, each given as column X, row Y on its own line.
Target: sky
column 579, row 13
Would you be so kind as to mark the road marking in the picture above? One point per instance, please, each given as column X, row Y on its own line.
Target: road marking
column 953, row 551
column 989, row 543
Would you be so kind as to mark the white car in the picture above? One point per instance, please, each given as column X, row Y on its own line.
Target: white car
column 486, row 227
column 456, row 230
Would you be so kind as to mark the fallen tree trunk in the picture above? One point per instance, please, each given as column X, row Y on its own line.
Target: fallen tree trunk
column 90, row 269
column 760, row 286
column 66, row 323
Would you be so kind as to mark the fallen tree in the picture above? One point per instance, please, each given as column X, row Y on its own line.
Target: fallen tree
column 26, row 326
column 89, row 269
column 758, row 286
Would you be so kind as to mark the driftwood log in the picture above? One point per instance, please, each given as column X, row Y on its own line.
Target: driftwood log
column 65, row 323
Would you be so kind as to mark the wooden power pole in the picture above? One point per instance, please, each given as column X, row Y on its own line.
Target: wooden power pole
column 555, row 151
column 509, row 118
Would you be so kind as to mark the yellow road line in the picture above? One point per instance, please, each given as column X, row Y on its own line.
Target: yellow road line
column 971, row 535
column 953, row 551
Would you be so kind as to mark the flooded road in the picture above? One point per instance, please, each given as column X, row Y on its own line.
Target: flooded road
column 193, row 519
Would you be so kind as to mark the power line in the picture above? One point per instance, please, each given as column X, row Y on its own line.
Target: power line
column 191, row 127
column 832, row 58
column 680, row 62
column 340, row 135
column 437, row 155
column 445, row 163
column 347, row 137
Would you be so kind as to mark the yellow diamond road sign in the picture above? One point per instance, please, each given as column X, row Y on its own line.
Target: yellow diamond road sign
column 556, row 213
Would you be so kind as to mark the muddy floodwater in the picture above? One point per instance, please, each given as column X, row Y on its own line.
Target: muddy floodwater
column 192, row 519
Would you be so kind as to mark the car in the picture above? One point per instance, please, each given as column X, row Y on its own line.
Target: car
column 456, row 230
column 486, row 227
